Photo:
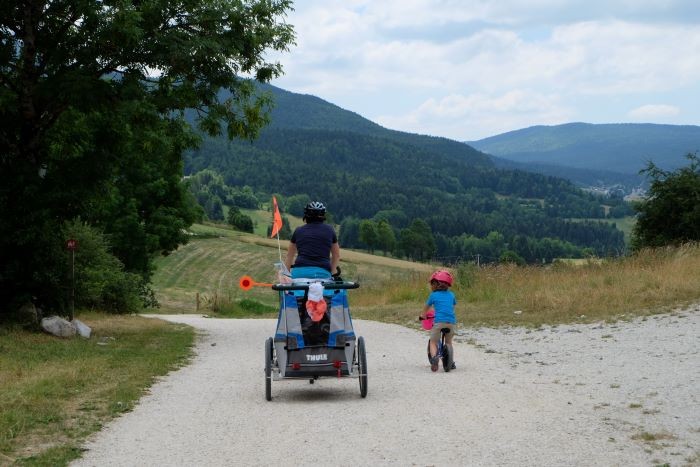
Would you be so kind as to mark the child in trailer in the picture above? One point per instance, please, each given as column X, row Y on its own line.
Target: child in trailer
column 441, row 302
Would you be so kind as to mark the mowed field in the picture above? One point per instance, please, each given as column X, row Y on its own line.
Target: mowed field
column 213, row 262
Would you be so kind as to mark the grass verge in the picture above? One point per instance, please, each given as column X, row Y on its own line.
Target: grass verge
column 55, row 392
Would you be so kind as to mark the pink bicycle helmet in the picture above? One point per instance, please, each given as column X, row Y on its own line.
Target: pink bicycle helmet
column 442, row 276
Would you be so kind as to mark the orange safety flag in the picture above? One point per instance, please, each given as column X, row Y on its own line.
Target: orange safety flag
column 276, row 218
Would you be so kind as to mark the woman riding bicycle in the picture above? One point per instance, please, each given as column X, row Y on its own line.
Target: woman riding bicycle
column 443, row 302
column 315, row 246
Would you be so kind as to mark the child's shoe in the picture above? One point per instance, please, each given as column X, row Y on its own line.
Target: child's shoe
column 434, row 361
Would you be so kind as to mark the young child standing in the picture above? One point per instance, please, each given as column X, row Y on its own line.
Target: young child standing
column 443, row 302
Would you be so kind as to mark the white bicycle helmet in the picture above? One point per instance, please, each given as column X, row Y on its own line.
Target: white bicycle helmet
column 315, row 210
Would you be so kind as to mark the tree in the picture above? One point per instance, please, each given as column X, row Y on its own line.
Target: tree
column 243, row 197
column 509, row 256
column 368, row 234
column 214, row 209
column 671, row 212
column 295, row 204
column 386, row 240
column 285, row 232
column 86, row 131
column 211, row 182
column 239, row 221
column 349, row 235
column 417, row 240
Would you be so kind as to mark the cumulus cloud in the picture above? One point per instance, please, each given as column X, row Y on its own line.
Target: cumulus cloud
column 480, row 115
column 437, row 58
column 654, row 112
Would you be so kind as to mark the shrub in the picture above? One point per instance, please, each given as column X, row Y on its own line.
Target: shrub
column 100, row 278
column 671, row 213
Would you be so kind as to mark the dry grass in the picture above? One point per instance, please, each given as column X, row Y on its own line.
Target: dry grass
column 649, row 282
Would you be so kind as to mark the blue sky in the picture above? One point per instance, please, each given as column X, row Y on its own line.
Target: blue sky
column 471, row 69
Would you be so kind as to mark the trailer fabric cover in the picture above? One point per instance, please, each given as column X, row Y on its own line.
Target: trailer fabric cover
column 289, row 326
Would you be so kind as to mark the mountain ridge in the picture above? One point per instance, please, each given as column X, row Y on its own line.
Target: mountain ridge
column 615, row 147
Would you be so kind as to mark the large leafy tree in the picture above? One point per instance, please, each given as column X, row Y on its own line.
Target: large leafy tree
column 671, row 212
column 417, row 240
column 385, row 236
column 92, row 103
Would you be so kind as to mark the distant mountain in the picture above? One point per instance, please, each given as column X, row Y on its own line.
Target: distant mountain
column 625, row 148
column 294, row 111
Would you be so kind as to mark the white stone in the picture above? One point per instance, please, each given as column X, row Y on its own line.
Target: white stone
column 58, row 326
column 81, row 328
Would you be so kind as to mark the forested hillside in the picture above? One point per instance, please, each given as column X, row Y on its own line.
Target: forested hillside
column 624, row 148
column 365, row 172
column 585, row 178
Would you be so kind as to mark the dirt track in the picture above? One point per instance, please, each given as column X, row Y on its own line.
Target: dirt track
column 517, row 398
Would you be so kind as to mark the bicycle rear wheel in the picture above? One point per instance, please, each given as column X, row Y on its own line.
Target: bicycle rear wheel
column 447, row 357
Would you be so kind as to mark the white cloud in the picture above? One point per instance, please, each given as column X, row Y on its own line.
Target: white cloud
column 653, row 112
column 479, row 116
column 405, row 63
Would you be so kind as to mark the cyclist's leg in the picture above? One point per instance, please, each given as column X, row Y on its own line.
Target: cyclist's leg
column 434, row 339
column 449, row 335
column 448, row 341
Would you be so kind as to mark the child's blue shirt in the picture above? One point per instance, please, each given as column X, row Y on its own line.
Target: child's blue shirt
column 443, row 301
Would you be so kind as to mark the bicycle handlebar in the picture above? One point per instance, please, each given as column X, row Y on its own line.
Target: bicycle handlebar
column 326, row 285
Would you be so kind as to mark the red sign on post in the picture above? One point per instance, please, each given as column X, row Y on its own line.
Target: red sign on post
column 72, row 244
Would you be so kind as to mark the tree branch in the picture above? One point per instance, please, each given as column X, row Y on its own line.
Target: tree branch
column 59, row 34
column 7, row 83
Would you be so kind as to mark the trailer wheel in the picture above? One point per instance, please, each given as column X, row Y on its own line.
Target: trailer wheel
column 362, row 366
column 268, row 368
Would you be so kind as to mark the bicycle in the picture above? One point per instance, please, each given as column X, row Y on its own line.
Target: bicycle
column 444, row 351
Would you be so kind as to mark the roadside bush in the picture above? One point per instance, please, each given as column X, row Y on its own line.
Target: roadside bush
column 671, row 213
column 509, row 256
column 100, row 279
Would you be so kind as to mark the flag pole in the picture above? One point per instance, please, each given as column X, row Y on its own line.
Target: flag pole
column 276, row 225
column 279, row 247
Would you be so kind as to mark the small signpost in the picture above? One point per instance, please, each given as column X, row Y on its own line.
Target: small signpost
column 72, row 245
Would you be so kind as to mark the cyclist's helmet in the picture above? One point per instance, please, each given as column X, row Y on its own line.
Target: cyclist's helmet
column 315, row 210
column 442, row 276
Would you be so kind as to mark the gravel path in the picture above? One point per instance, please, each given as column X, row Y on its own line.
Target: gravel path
column 622, row 394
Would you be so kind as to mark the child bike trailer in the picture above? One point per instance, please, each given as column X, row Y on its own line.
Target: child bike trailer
column 304, row 348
